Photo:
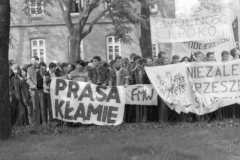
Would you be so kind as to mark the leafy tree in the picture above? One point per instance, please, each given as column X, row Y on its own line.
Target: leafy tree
column 122, row 13
column 5, row 112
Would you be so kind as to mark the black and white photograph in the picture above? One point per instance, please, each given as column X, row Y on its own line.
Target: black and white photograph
column 119, row 80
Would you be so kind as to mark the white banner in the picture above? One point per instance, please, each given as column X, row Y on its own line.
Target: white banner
column 87, row 103
column 141, row 95
column 165, row 30
column 199, row 88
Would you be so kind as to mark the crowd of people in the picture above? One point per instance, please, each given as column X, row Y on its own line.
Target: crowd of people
column 30, row 84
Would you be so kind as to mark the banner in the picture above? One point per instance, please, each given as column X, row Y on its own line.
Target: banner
column 199, row 88
column 165, row 30
column 141, row 95
column 87, row 103
column 217, row 46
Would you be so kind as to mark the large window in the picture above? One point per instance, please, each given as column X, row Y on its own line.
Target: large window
column 38, row 49
column 36, row 8
column 75, row 6
column 113, row 48
column 153, row 8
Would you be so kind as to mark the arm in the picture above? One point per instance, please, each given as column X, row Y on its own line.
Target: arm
column 31, row 84
column 45, row 85
column 126, row 78
column 90, row 76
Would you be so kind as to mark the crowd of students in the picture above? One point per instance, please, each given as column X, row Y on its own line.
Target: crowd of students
column 30, row 84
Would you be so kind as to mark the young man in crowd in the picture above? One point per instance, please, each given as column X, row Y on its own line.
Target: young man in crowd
column 235, row 53
column 98, row 75
column 20, row 92
column 42, row 71
column 46, row 85
column 199, row 56
column 35, row 82
column 79, row 74
column 175, row 59
column 210, row 57
column 225, row 56
column 119, row 75
column 140, row 77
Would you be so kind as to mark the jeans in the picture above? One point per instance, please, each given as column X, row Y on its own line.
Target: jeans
column 38, row 107
column 48, row 106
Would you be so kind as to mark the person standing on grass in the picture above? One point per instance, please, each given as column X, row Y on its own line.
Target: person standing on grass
column 46, row 85
column 139, row 77
column 20, row 92
column 98, row 74
column 119, row 76
column 35, row 82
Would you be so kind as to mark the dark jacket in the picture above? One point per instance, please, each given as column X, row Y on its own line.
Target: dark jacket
column 19, row 89
column 98, row 76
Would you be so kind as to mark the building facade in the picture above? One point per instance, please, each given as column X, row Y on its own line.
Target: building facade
column 42, row 32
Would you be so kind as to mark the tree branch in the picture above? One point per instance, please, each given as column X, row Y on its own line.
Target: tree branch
column 95, row 20
column 66, row 12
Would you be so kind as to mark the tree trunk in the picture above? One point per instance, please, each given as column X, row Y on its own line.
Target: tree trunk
column 145, row 39
column 5, row 111
column 74, row 54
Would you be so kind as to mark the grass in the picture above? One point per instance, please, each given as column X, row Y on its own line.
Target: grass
column 126, row 142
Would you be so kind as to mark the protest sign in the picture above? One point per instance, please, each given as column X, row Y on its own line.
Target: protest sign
column 164, row 30
column 141, row 95
column 217, row 46
column 87, row 103
column 197, row 87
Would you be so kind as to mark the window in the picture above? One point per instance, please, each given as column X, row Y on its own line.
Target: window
column 81, row 49
column 113, row 48
column 38, row 49
column 153, row 8
column 36, row 8
column 75, row 6
column 107, row 3
column 155, row 49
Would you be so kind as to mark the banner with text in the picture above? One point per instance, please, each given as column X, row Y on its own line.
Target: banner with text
column 165, row 30
column 199, row 88
column 87, row 103
column 141, row 95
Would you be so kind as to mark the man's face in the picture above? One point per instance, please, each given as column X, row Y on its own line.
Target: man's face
column 53, row 70
column 225, row 57
column 166, row 61
column 43, row 69
column 211, row 57
column 200, row 58
column 24, row 73
column 66, row 69
column 149, row 62
column 34, row 61
column 17, row 70
column 118, row 63
column 155, row 58
column 96, row 63
column 237, row 55
column 176, row 60
column 79, row 67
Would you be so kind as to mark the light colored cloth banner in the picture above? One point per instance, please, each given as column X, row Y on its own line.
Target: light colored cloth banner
column 165, row 30
column 199, row 88
column 141, row 95
column 87, row 103
column 216, row 46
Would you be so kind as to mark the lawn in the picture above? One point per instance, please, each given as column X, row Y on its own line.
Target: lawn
column 182, row 141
